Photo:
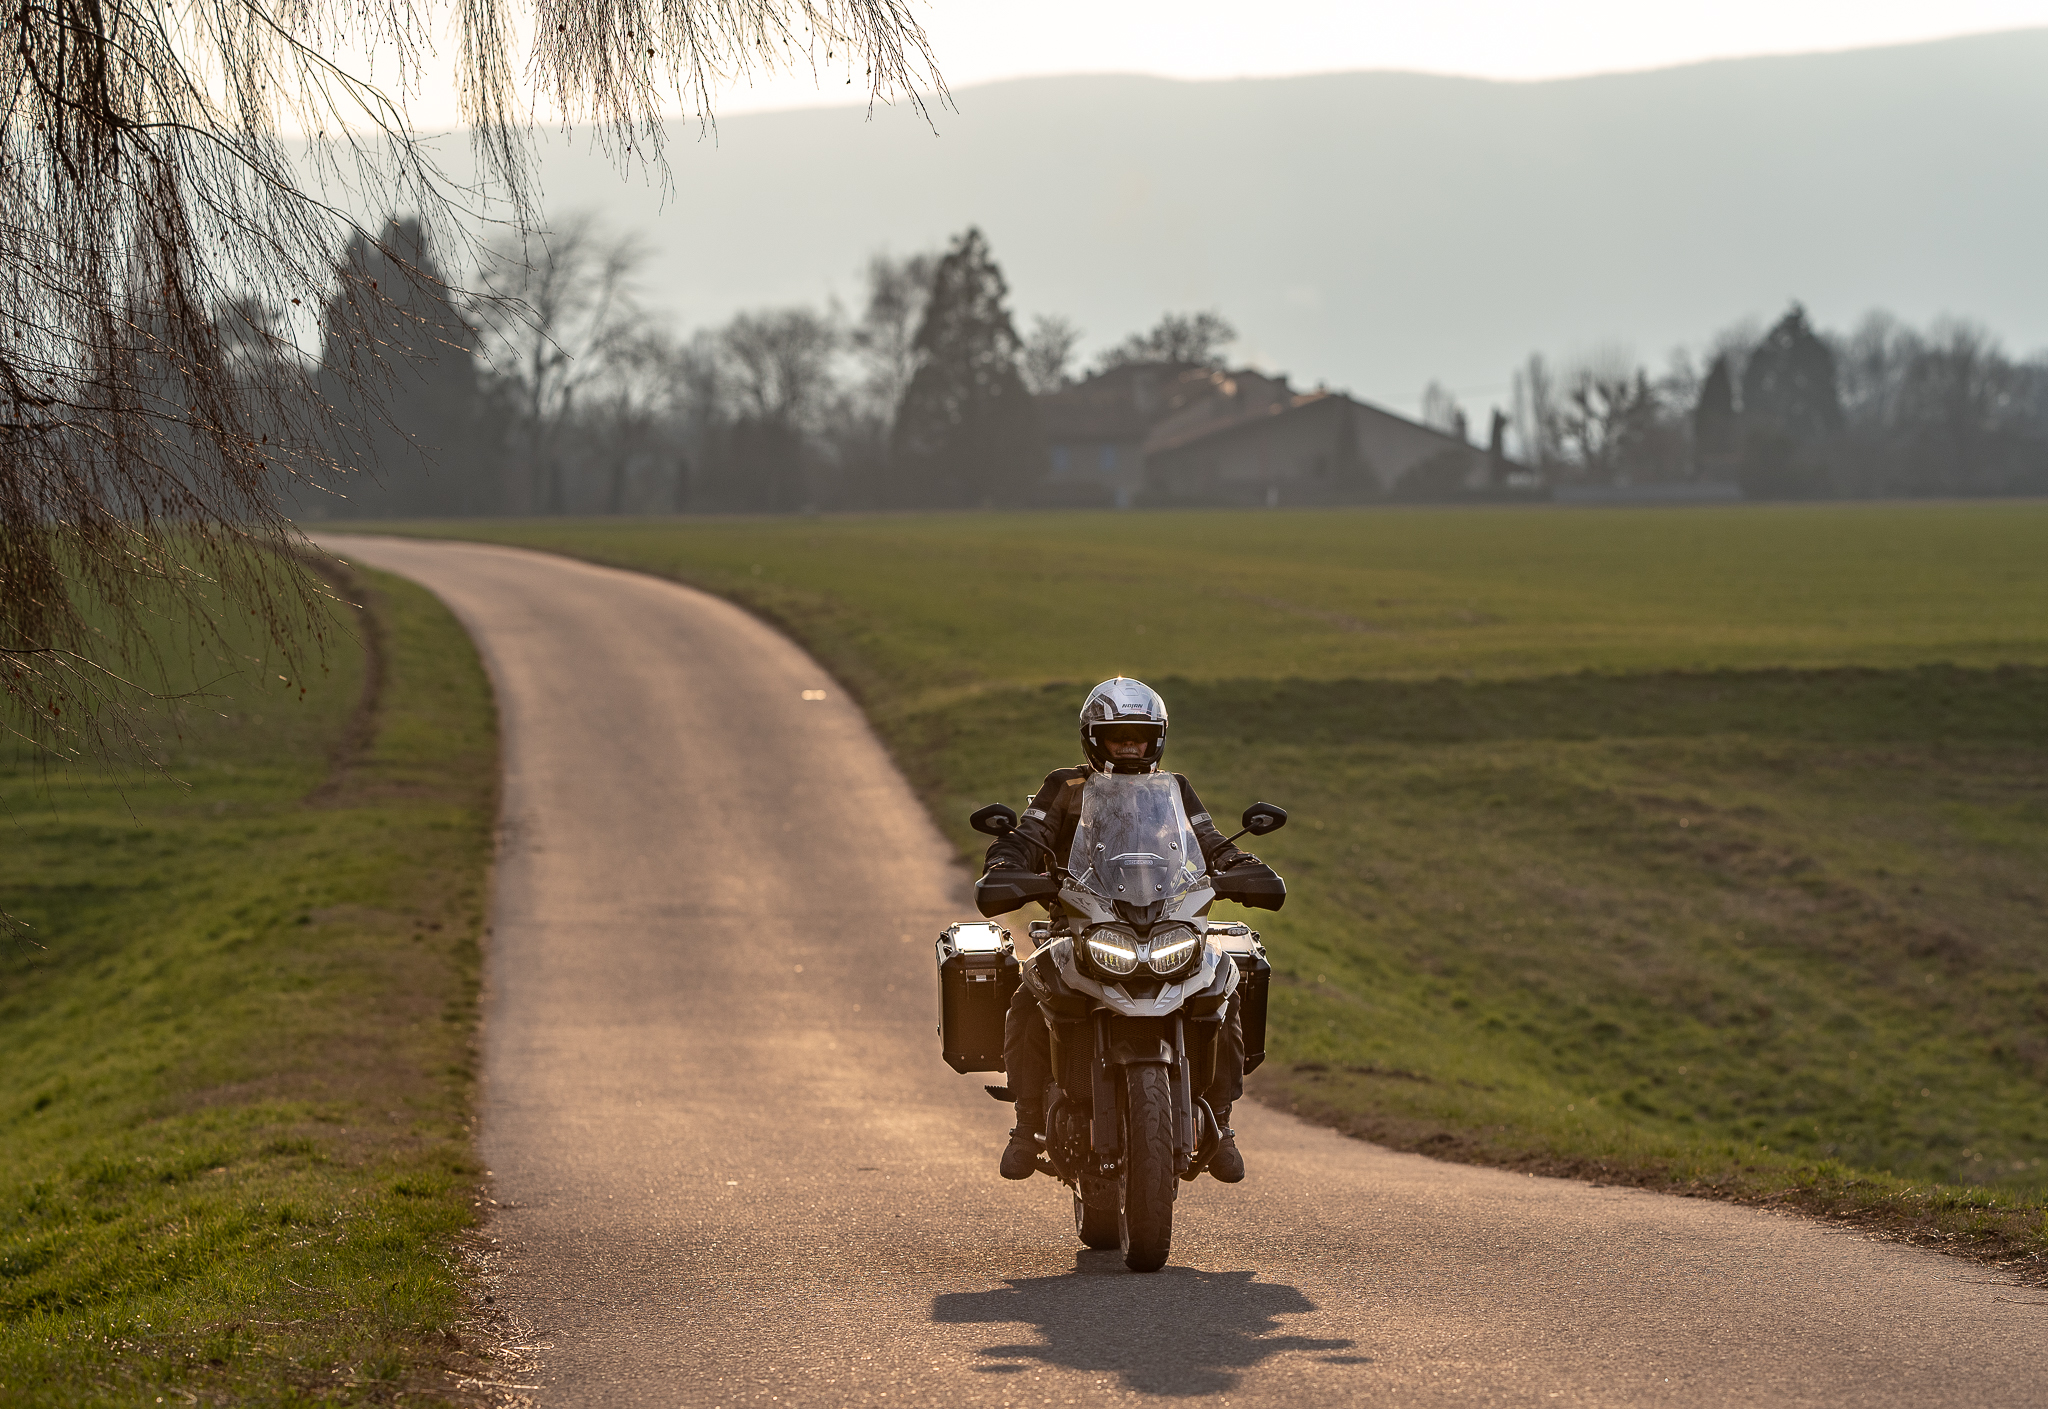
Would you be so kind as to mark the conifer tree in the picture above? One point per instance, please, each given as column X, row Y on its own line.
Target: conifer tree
column 1714, row 431
column 398, row 366
column 1789, row 381
column 966, row 432
column 1791, row 410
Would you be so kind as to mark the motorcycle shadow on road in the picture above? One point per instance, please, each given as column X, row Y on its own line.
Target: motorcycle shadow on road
column 1100, row 1318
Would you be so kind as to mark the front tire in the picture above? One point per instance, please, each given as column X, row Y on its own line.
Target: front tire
column 1145, row 1226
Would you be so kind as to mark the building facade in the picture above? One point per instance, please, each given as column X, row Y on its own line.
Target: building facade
column 1162, row 434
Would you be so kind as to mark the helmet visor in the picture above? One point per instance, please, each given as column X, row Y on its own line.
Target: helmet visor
column 1127, row 733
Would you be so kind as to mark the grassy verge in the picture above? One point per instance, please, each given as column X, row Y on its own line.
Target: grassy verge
column 237, row 1160
column 1700, row 850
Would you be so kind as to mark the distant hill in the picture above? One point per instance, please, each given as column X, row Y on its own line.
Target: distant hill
column 1374, row 230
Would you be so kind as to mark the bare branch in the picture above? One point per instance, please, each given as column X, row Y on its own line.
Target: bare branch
column 157, row 417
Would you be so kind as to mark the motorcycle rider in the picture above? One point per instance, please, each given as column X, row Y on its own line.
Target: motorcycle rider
column 1123, row 730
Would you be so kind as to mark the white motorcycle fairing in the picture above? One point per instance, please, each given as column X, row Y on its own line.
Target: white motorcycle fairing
column 1217, row 971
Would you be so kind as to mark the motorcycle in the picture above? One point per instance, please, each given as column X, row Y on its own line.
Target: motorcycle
column 1134, row 982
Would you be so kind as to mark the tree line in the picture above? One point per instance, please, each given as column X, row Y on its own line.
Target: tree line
column 1789, row 411
column 552, row 390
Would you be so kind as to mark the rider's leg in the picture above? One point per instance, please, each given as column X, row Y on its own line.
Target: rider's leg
column 1227, row 1084
column 1224, row 1089
column 1027, row 1068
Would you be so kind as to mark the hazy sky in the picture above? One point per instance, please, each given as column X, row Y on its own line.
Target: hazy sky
column 978, row 41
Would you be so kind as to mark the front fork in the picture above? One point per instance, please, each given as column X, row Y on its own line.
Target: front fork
column 1196, row 1129
column 1186, row 1123
column 1107, row 1129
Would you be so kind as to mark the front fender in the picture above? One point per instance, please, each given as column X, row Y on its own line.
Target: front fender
column 1140, row 1052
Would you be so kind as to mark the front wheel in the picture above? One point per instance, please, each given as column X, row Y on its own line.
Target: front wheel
column 1146, row 1223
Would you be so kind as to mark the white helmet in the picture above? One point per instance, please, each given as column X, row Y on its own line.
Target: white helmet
column 1123, row 707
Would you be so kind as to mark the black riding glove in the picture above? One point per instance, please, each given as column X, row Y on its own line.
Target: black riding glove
column 1230, row 858
column 1006, row 856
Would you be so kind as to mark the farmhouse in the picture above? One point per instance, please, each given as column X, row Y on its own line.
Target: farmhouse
column 1162, row 434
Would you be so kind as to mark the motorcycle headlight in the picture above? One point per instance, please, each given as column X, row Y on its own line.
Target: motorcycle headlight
column 1173, row 949
column 1113, row 949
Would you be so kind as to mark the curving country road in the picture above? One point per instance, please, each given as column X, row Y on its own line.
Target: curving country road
column 733, row 1170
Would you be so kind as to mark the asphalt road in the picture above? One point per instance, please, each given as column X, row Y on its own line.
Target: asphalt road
column 734, row 1171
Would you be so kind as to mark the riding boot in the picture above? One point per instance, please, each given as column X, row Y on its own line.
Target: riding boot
column 1227, row 1165
column 1020, row 1156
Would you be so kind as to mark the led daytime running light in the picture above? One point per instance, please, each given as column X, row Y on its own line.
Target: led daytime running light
column 1113, row 950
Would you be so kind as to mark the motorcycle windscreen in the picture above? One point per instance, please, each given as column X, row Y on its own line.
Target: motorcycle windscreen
column 1134, row 842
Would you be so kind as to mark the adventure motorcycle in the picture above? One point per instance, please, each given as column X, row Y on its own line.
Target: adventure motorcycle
column 1134, row 981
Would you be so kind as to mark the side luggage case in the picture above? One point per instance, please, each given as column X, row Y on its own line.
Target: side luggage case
column 1254, row 973
column 978, row 975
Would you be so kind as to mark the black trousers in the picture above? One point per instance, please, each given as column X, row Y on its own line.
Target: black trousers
column 1027, row 1058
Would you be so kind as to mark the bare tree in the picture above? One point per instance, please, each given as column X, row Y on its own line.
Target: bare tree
column 562, row 316
column 1049, row 354
column 643, row 391
column 885, row 338
column 146, row 183
column 1871, row 365
column 1615, row 426
column 1192, row 340
column 780, row 363
column 1940, row 411
column 702, row 411
column 1440, row 411
column 778, row 374
column 1534, row 414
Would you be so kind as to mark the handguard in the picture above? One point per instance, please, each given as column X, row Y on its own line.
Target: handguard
column 1000, row 892
column 1256, row 885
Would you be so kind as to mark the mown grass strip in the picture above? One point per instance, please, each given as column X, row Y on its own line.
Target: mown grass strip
column 913, row 607
column 237, row 1159
column 1707, row 852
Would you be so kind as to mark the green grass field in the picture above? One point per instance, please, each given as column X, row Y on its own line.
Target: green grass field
column 236, row 1164
column 1706, row 849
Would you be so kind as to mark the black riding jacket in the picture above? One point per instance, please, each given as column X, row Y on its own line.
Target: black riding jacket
column 1045, row 832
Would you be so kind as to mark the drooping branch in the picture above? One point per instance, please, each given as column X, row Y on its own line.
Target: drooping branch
column 152, row 453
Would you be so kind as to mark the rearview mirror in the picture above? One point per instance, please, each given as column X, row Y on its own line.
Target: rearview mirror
column 995, row 820
column 1263, row 819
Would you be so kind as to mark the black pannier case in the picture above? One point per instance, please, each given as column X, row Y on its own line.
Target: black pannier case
column 978, row 975
column 1254, row 973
